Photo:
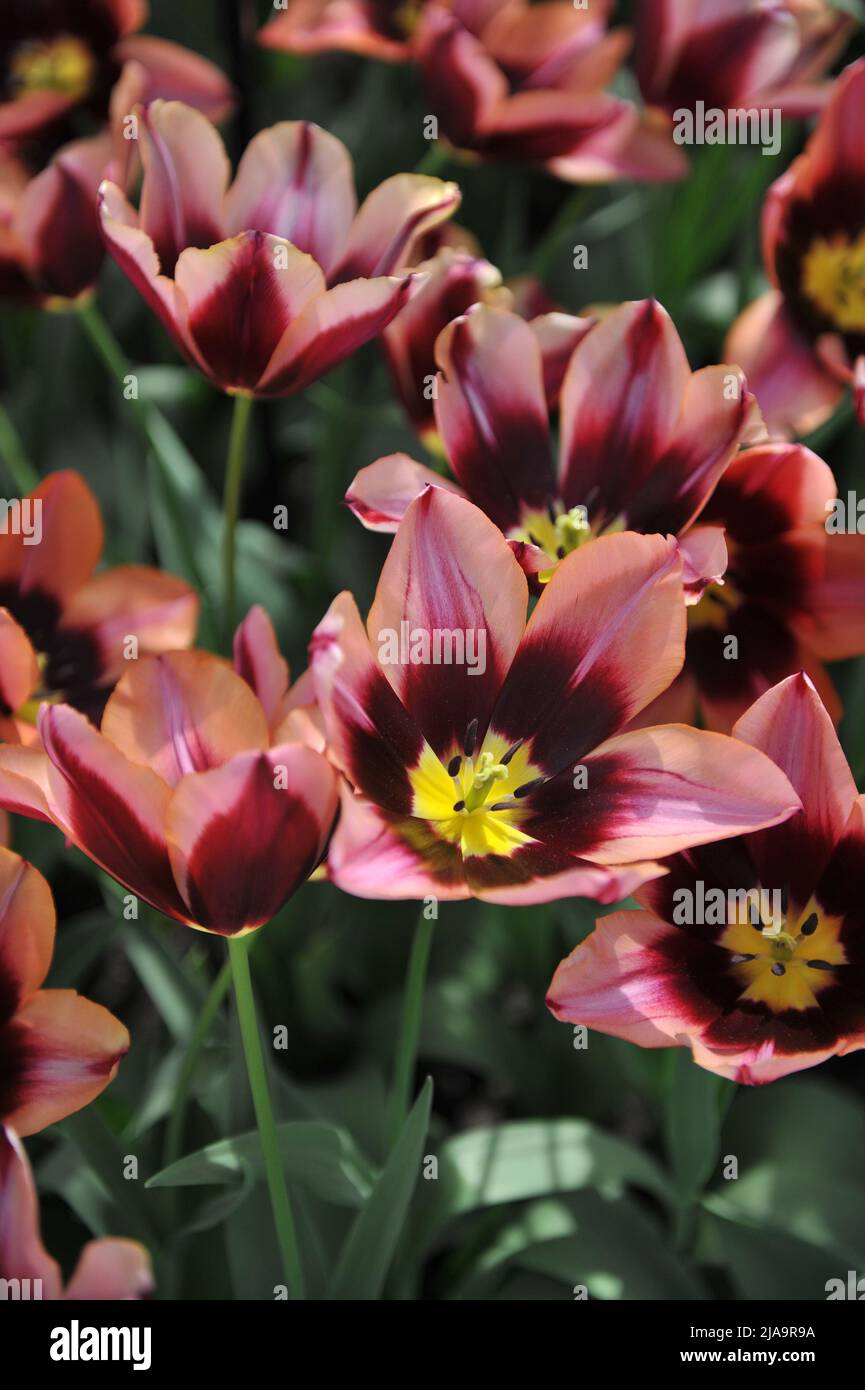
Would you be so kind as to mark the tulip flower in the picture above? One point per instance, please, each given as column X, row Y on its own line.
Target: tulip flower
column 366, row 27
column 793, row 595
column 455, row 280
column 62, row 57
column 266, row 285
column 646, row 445
column 484, row 755
column 107, row 1269
column 197, row 793
column 751, row 953
column 58, row 1051
column 742, row 54
column 510, row 80
column 36, row 265
column 803, row 341
column 643, row 440
column 67, row 632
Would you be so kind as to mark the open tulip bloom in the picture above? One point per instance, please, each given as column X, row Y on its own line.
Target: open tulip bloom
column 66, row 631
column 803, row 341
column 751, row 952
column 266, row 285
column 58, row 1051
column 645, row 445
column 199, row 792
column 60, row 57
column 108, row 1269
column 484, row 754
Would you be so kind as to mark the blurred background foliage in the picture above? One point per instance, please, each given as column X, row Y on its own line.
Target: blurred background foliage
column 556, row 1166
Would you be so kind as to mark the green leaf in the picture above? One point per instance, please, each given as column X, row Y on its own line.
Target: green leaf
column 531, row 1159
column 102, row 1151
column 616, row 1252
column 606, row 1244
column 318, row 1156
column 810, row 1122
column 693, row 1117
column 785, row 1197
column 766, row 1264
column 372, row 1241
column 171, row 991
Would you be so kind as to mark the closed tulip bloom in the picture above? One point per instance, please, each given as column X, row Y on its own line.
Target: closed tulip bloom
column 751, row 952
column 497, row 768
column 57, row 1050
column 67, row 631
column 107, row 1268
column 51, row 251
column 199, row 793
column 266, row 285
column 803, row 342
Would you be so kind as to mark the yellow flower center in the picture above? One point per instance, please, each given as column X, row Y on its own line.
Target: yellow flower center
column 780, row 967
column 64, row 64
column 559, row 533
column 476, row 800
column 833, row 278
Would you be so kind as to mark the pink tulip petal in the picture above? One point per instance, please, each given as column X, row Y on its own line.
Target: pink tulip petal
column 66, row 1050
column 110, row 1269
column 369, row 858
column 492, row 414
column 606, row 637
column 295, row 181
column 240, row 296
column 245, row 836
column 369, row 734
column 183, row 712
column 390, row 220
column 630, row 979
column 22, row 1254
column 380, row 494
column 186, row 174
column 27, row 922
column 112, row 808
column 791, row 726
column 132, row 601
column 258, row 660
column 450, row 569
column 331, row 328
column 795, row 393
column 178, row 74
column 652, row 792
column 621, row 402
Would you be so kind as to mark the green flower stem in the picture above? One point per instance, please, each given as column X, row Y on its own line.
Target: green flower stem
column 212, row 1005
column 434, row 160
column 237, row 448
column 238, row 957
column 14, row 456
column 409, row 1030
